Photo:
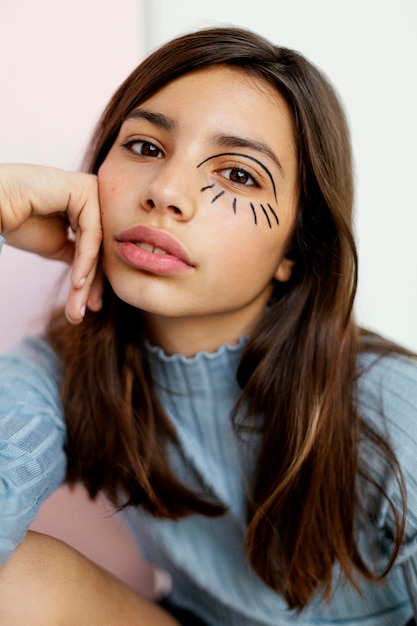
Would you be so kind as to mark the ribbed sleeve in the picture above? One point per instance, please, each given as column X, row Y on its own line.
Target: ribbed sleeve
column 32, row 459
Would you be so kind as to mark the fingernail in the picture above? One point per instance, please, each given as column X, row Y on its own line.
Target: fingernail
column 162, row 583
column 82, row 282
column 83, row 310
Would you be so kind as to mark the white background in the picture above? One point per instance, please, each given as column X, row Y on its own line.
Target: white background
column 60, row 61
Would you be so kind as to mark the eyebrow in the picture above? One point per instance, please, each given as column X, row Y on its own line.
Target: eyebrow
column 158, row 119
column 219, row 139
column 225, row 141
column 234, row 141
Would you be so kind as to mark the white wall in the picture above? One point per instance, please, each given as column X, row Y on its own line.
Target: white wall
column 368, row 48
column 59, row 64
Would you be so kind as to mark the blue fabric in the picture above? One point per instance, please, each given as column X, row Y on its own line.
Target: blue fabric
column 205, row 557
column 32, row 433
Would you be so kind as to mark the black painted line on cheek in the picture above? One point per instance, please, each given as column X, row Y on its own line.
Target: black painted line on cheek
column 207, row 187
column 273, row 213
column 218, row 196
column 234, row 206
column 266, row 215
column 254, row 213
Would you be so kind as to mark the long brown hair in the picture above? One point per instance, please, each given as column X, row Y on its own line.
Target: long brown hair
column 298, row 369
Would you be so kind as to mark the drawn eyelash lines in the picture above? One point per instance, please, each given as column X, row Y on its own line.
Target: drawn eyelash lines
column 273, row 213
column 266, row 215
column 217, row 196
column 254, row 214
column 252, row 206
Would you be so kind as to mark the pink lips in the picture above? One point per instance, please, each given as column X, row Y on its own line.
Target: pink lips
column 169, row 258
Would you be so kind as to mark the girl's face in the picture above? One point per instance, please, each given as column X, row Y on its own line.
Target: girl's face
column 198, row 197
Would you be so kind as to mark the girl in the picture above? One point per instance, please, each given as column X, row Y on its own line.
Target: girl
column 262, row 447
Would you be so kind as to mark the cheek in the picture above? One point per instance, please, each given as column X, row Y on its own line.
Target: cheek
column 112, row 195
column 107, row 189
column 111, row 179
column 242, row 249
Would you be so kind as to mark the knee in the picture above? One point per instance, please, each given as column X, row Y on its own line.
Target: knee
column 32, row 582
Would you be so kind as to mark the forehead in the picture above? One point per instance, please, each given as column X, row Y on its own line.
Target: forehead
column 223, row 99
column 225, row 83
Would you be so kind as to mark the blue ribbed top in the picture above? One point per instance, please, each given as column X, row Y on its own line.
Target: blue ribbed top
column 205, row 557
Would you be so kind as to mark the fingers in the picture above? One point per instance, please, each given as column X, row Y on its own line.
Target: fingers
column 37, row 205
column 84, row 216
column 79, row 297
column 95, row 297
column 86, row 286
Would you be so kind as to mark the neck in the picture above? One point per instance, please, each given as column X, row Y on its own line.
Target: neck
column 188, row 336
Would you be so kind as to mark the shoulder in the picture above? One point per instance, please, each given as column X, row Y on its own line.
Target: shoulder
column 387, row 403
column 29, row 377
column 387, row 387
column 31, row 354
column 32, row 349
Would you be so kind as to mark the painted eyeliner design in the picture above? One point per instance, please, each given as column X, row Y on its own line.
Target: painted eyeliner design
column 273, row 213
column 217, row 196
column 266, row 215
column 246, row 156
column 234, row 203
column 252, row 206
column 254, row 213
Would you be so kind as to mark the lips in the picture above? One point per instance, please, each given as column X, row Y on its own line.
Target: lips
column 153, row 250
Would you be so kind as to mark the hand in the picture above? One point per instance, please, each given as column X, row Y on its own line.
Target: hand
column 55, row 214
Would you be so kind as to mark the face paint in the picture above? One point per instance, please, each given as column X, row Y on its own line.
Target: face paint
column 252, row 206
column 254, row 213
column 246, row 156
column 234, row 203
column 266, row 215
column 273, row 213
column 218, row 196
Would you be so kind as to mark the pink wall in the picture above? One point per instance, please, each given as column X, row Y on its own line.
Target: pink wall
column 61, row 61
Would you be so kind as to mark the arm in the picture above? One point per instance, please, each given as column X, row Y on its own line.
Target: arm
column 32, row 436
column 40, row 209
column 388, row 391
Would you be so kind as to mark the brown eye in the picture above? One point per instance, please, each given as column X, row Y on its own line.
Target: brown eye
column 239, row 176
column 148, row 149
column 144, row 148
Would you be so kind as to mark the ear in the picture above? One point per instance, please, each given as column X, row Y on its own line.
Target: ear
column 283, row 272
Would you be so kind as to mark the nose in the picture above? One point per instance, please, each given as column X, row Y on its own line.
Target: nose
column 171, row 190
